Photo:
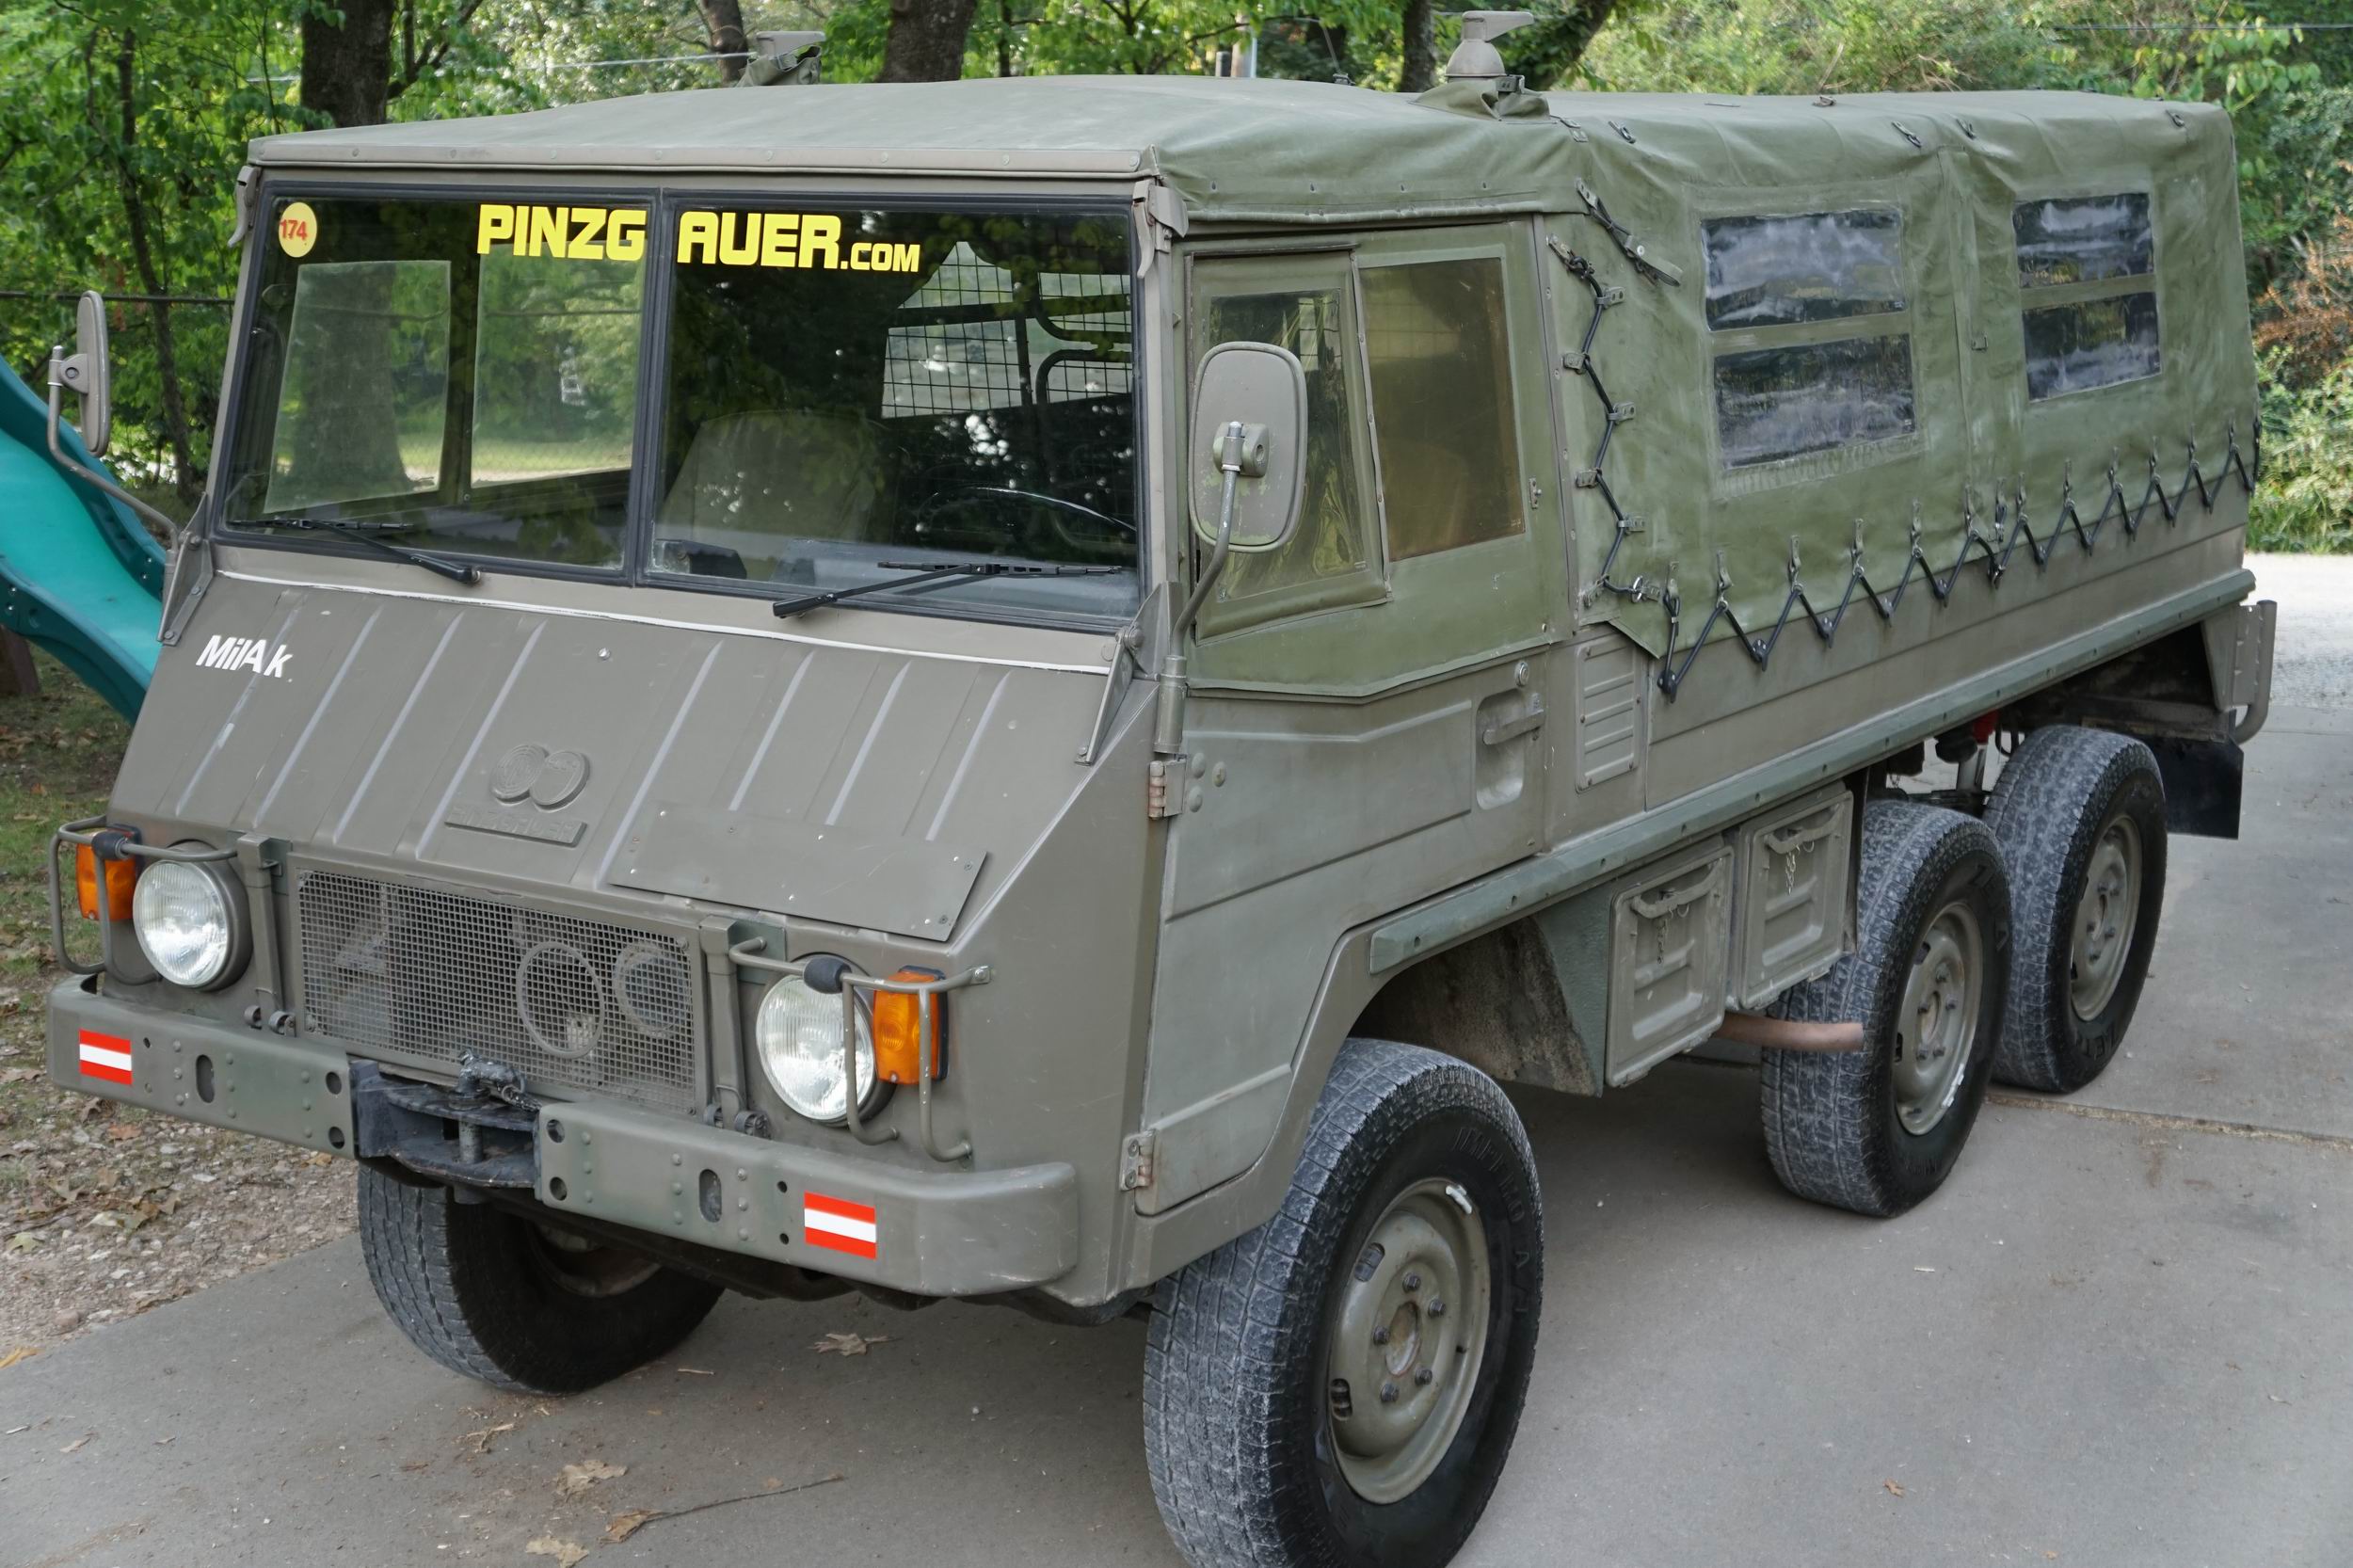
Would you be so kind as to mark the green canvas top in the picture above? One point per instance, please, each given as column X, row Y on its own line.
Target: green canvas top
column 1237, row 149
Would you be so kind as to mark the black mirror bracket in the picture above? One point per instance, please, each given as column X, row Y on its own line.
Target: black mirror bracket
column 1235, row 456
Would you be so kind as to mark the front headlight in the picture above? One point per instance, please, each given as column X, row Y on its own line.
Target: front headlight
column 188, row 923
column 798, row 1031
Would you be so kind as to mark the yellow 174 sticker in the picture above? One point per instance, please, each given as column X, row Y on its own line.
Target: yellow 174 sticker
column 580, row 233
column 785, row 239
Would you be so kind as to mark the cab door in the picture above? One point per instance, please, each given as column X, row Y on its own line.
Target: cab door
column 1371, row 709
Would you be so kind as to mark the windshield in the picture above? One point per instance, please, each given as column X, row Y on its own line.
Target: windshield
column 848, row 395
column 459, row 375
column 855, row 395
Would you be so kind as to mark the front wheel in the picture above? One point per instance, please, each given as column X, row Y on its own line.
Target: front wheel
column 1342, row 1386
column 491, row 1295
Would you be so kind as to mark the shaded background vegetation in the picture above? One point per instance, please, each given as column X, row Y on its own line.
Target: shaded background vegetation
column 123, row 125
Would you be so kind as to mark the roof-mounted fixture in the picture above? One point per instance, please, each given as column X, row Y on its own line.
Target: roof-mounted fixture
column 1475, row 59
column 784, row 59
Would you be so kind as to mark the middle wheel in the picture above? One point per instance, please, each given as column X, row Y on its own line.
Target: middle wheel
column 1877, row 1130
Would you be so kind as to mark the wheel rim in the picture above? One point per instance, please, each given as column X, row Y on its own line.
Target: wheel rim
column 2105, row 917
column 584, row 1268
column 1936, row 1028
column 1406, row 1335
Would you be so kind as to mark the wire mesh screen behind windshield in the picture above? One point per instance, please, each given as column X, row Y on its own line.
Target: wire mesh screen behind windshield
column 858, row 395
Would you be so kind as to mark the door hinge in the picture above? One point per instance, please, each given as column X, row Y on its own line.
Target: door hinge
column 1155, row 800
column 1135, row 1160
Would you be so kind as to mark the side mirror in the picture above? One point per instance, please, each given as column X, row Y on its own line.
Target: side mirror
column 1261, row 388
column 86, row 372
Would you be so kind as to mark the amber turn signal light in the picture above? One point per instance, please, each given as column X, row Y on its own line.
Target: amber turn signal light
column 119, row 877
column 897, row 1017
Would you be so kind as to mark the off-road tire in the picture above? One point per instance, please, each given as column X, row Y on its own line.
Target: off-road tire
column 1832, row 1126
column 2056, row 797
column 460, row 1282
column 1236, row 1432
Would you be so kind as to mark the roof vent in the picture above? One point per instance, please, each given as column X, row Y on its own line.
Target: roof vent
column 1475, row 59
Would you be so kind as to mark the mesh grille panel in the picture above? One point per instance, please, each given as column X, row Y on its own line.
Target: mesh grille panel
column 438, row 975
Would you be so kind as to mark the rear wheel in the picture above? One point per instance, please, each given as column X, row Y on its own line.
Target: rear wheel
column 1342, row 1386
column 2080, row 814
column 1879, row 1129
column 491, row 1295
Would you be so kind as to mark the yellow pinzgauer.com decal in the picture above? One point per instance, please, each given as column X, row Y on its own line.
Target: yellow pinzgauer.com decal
column 579, row 234
column 785, row 239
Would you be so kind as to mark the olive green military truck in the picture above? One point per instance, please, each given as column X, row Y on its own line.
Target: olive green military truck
column 1035, row 690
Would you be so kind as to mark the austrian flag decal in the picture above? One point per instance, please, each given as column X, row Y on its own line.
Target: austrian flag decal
column 108, row 1056
column 830, row 1223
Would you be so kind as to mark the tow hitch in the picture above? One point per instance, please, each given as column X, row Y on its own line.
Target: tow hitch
column 480, row 1133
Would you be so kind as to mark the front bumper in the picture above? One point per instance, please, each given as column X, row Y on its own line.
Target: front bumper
column 927, row 1232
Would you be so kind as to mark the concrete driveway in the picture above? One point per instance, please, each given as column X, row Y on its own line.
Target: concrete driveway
column 2122, row 1335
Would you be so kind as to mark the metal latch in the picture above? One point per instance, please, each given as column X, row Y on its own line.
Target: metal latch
column 1135, row 1160
column 1512, row 730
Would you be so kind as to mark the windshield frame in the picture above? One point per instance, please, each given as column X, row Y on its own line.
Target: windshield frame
column 653, row 409
column 664, row 200
column 237, row 411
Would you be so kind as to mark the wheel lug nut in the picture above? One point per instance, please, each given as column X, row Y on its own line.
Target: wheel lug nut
column 1380, row 1336
column 1437, row 1306
column 1413, row 1282
column 1388, row 1393
column 1423, row 1377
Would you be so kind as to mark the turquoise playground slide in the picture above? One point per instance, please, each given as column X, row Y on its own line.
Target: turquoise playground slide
column 79, row 575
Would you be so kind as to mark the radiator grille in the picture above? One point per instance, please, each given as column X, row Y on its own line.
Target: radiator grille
column 425, row 974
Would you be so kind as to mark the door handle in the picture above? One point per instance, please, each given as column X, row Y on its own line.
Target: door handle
column 1512, row 730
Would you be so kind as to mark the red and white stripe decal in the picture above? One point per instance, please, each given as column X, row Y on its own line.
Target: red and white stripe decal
column 107, row 1056
column 842, row 1227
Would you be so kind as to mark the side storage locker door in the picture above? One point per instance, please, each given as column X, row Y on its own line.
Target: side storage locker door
column 1371, row 720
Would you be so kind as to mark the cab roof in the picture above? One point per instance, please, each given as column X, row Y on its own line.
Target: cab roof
column 1261, row 150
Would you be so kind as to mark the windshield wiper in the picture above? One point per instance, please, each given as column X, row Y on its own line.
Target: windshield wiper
column 917, row 572
column 369, row 535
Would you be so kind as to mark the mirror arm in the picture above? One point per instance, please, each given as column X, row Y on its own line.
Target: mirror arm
column 65, row 460
column 1168, row 720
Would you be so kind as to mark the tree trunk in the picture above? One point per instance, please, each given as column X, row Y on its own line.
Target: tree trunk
column 1421, row 71
column 348, row 65
column 183, row 476
column 723, row 19
column 926, row 43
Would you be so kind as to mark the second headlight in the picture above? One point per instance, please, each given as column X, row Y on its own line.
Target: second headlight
column 798, row 1034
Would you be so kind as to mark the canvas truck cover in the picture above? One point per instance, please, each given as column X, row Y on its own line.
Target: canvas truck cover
column 1679, row 538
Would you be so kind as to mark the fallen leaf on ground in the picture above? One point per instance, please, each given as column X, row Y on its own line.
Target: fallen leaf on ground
column 623, row 1526
column 19, row 1075
column 698, row 1372
column 77, row 1441
column 481, row 1440
column 848, row 1344
column 23, row 1353
column 1895, row 1489
column 122, row 1133
column 417, row 1465
column 24, row 1240
column 564, row 1552
column 581, row 1477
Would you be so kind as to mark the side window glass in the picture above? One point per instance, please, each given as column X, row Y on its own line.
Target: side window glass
column 1441, row 403
column 1311, row 311
column 2086, row 285
column 1788, row 380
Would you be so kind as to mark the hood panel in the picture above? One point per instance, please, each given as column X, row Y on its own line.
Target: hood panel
column 512, row 744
